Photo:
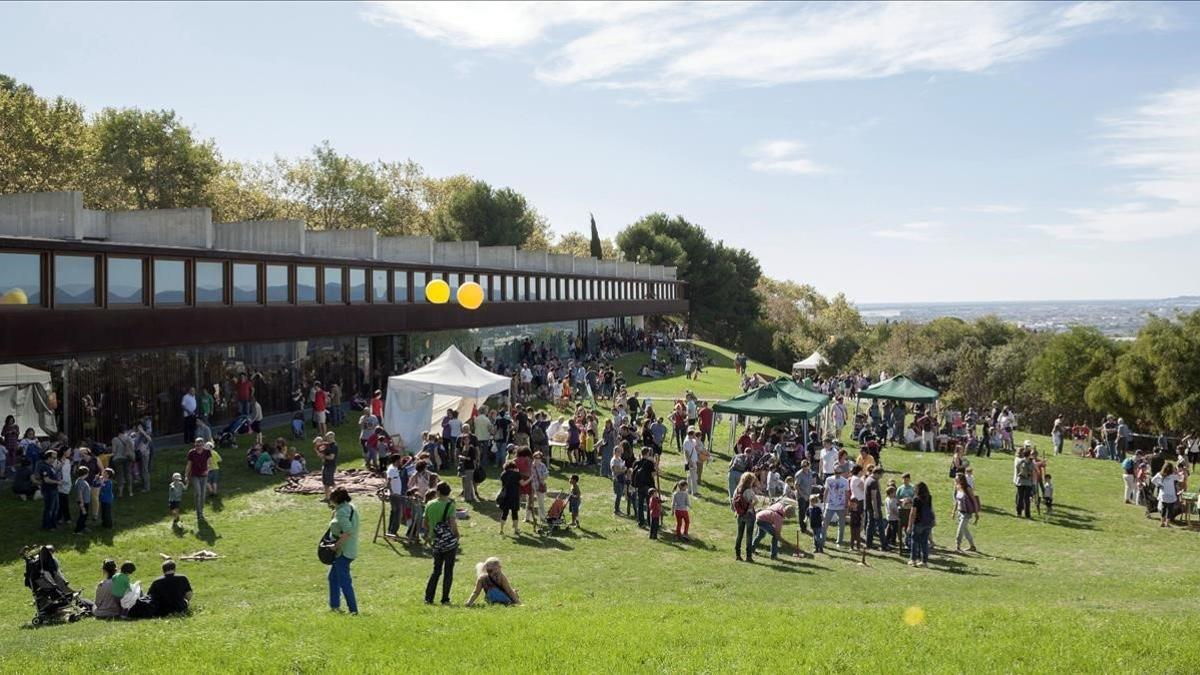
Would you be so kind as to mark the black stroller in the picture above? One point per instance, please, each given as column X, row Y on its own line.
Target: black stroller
column 53, row 598
column 228, row 436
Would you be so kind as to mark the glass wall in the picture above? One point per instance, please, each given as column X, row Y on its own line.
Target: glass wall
column 306, row 284
column 125, row 281
column 74, row 280
column 333, row 285
column 400, row 281
column 278, row 290
column 170, row 282
column 419, row 287
column 245, row 283
column 210, row 282
column 358, row 285
column 379, row 286
column 22, row 272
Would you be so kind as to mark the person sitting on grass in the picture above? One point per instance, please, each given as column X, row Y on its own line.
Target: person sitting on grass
column 172, row 593
column 107, row 605
column 491, row 582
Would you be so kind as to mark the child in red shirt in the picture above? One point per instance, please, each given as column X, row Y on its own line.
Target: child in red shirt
column 655, row 513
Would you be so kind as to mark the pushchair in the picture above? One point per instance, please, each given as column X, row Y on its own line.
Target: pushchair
column 239, row 425
column 556, row 515
column 54, row 600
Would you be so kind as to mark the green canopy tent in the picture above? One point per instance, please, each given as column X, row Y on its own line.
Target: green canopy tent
column 900, row 388
column 779, row 400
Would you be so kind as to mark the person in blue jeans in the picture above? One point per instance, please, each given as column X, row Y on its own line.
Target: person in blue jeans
column 344, row 529
column 491, row 582
column 770, row 521
column 921, row 522
column 50, row 476
column 816, row 520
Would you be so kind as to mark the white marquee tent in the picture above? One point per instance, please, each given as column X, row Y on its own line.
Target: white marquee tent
column 25, row 394
column 814, row 361
column 416, row 401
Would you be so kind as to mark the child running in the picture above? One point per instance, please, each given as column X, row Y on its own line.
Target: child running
column 681, row 505
column 175, row 497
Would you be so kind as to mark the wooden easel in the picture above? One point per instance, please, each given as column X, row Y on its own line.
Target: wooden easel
column 384, row 496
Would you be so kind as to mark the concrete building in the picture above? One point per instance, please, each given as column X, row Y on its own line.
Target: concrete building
column 128, row 309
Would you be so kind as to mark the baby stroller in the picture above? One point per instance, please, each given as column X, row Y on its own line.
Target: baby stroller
column 555, row 516
column 239, row 425
column 53, row 598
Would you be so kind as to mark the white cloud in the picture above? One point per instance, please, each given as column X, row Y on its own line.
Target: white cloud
column 922, row 231
column 1159, row 144
column 669, row 50
column 782, row 156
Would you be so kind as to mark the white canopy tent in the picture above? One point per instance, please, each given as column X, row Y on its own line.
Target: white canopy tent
column 416, row 401
column 25, row 394
column 814, row 361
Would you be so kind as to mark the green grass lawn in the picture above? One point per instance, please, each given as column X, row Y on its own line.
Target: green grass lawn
column 1094, row 587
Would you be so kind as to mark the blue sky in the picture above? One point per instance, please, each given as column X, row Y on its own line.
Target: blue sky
column 894, row 152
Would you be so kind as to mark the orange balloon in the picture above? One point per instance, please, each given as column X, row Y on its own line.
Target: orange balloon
column 470, row 295
column 437, row 292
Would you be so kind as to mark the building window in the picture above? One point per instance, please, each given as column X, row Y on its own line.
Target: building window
column 400, row 285
column 125, row 282
column 333, row 286
column 419, row 286
column 169, row 282
column 245, row 283
column 306, row 284
column 278, row 290
column 553, row 289
column 379, row 283
column 210, row 283
column 358, row 285
column 454, row 281
column 22, row 272
column 74, row 280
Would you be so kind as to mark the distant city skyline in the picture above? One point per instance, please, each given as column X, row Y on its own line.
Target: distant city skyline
column 896, row 152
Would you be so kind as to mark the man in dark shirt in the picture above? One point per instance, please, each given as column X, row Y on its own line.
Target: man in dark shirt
column 197, row 473
column 523, row 431
column 644, row 473
column 876, row 519
column 171, row 592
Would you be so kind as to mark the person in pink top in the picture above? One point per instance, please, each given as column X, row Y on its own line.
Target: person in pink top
column 770, row 521
column 320, row 405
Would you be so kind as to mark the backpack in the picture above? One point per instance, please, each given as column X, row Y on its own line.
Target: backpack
column 444, row 539
column 740, row 504
column 537, row 435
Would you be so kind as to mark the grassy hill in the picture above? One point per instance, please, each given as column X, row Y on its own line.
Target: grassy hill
column 1093, row 587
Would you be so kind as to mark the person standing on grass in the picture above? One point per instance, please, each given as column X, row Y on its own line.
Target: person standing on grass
column 189, row 407
column 644, row 474
column 214, row 470
column 691, row 460
column 966, row 507
column 46, row 472
column 539, row 478
column 343, row 527
column 681, row 506
column 770, row 521
column 875, row 514
column 705, row 416
column 106, row 498
column 1023, row 469
column 617, row 467
column 83, row 498
column 397, row 480
column 328, row 452
column 920, row 522
column 743, row 508
column 837, row 489
column 608, row 442
column 654, row 509
column 443, row 527
column 196, row 473
column 509, row 500
column 1128, row 471
column 1167, row 481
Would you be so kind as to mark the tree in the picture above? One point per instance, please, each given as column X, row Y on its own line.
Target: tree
column 43, row 143
column 597, row 250
column 1066, row 366
column 493, row 217
column 1158, row 377
column 149, row 160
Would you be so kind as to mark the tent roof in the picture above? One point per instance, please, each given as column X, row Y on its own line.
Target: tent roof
column 812, row 362
column 775, row 400
column 900, row 388
column 16, row 373
column 451, row 373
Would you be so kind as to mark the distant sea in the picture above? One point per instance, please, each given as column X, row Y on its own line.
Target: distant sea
column 1117, row 318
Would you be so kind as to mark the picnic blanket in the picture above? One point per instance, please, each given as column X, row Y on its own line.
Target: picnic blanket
column 356, row 481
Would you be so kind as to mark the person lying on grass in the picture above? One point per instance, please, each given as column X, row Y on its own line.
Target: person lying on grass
column 491, row 582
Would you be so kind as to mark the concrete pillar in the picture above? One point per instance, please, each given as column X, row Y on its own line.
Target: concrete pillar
column 498, row 257
column 670, row 272
column 358, row 244
column 57, row 215
column 586, row 266
column 263, row 236
column 533, row 261
column 606, row 268
column 186, row 228
column 406, row 249
column 560, row 263
column 456, row 253
column 625, row 269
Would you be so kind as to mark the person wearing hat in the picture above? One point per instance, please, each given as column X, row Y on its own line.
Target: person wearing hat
column 175, row 490
column 196, row 472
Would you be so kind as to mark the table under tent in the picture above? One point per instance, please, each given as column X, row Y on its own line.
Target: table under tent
column 899, row 388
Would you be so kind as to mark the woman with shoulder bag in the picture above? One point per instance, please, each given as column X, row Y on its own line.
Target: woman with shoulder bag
column 343, row 531
column 443, row 525
column 743, row 507
column 966, row 506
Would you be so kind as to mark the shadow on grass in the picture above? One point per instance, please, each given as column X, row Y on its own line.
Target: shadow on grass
column 1077, row 518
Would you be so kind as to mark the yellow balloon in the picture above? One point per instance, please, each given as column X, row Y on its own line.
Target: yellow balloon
column 914, row 616
column 470, row 295
column 437, row 292
column 15, row 296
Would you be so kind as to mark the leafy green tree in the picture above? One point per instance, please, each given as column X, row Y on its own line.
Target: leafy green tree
column 493, row 217
column 1158, row 377
column 149, row 160
column 597, row 250
column 43, row 143
column 1068, row 363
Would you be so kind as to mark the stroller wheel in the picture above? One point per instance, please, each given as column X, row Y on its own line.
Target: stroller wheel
column 72, row 618
column 37, row 621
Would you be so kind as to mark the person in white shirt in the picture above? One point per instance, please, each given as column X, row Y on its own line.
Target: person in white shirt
column 1167, row 481
column 396, row 488
column 836, row 489
column 526, row 379
column 188, row 403
column 828, row 459
column 857, row 505
column 691, row 458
